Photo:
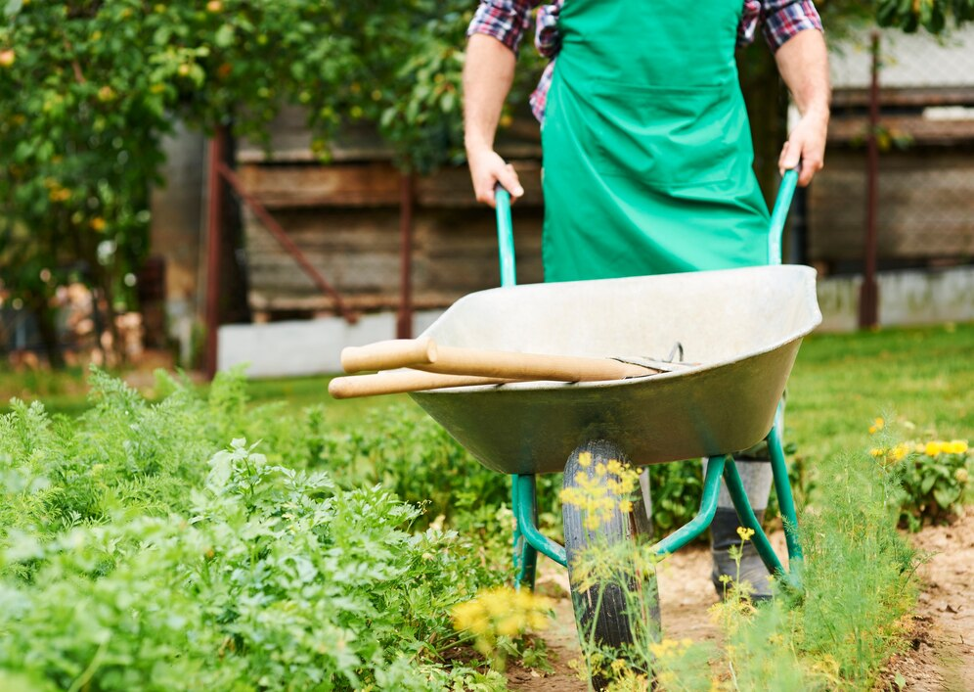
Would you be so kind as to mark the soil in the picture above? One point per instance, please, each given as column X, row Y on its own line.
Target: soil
column 940, row 658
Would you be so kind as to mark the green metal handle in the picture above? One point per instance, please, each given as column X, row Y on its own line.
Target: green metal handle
column 505, row 237
column 786, row 191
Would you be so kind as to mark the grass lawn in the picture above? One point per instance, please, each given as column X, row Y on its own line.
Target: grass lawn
column 922, row 378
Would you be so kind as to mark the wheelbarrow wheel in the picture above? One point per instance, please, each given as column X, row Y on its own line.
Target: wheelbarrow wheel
column 613, row 585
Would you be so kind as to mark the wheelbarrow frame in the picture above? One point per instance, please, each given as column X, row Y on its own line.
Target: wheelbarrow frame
column 528, row 540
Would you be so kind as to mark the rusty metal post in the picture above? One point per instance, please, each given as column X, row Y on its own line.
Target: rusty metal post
column 214, row 230
column 869, row 294
column 404, row 322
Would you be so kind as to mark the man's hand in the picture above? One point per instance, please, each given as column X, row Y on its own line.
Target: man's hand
column 804, row 65
column 487, row 76
column 487, row 169
column 806, row 144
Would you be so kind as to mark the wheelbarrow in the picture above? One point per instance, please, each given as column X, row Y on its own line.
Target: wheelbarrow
column 737, row 333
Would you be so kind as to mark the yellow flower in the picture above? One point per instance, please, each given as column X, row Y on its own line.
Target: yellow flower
column 584, row 459
column 878, row 425
column 956, row 447
column 932, row 449
column 745, row 533
column 510, row 626
column 502, row 611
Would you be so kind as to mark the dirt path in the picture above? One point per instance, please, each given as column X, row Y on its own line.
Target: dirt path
column 942, row 653
column 942, row 656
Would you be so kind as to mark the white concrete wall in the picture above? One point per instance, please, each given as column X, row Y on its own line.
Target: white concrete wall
column 307, row 347
column 906, row 297
column 304, row 347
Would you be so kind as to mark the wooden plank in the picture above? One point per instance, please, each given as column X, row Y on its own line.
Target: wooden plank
column 455, row 252
column 268, row 303
column 371, row 184
column 290, row 141
column 914, row 97
column 921, row 130
column 451, row 187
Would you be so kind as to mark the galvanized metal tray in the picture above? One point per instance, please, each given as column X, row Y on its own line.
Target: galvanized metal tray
column 742, row 327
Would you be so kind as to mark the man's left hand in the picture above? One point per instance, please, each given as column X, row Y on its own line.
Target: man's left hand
column 807, row 145
column 804, row 65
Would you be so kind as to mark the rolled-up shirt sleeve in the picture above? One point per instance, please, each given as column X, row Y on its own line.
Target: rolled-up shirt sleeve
column 505, row 20
column 783, row 19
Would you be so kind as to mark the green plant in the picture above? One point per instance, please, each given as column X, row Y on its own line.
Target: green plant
column 136, row 551
column 933, row 478
column 676, row 489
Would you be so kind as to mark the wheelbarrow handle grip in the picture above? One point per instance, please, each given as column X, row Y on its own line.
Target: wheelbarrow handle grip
column 782, row 205
column 505, row 236
column 403, row 381
column 393, row 353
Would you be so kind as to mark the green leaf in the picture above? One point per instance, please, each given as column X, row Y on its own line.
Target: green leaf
column 946, row 497
column 225, row 36
column 13, row 7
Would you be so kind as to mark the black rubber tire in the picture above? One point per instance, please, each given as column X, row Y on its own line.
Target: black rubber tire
column 611, row 627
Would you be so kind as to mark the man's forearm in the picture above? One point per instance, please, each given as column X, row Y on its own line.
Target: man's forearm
column 487, row 77
column 804, row 66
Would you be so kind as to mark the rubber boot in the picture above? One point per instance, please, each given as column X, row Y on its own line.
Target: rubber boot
column 757, row 478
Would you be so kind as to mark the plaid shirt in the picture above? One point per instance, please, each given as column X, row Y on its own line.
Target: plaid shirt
column 507, row 20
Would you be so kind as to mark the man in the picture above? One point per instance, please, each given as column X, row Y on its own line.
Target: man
column 647, row 149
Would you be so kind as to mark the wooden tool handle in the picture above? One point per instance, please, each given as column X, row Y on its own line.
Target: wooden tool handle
column 387, row 355
column 518, row 366
column 405, row 381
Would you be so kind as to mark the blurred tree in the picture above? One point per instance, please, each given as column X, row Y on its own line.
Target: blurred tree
column 88, row 88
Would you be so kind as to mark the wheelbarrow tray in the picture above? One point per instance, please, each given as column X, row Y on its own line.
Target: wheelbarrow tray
column 742, row 327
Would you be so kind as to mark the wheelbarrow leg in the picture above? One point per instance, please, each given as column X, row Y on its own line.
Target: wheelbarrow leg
column 735, row 487
column 782, row 488
column 524, row 505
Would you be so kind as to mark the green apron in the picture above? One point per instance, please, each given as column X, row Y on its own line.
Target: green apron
column 647, row 149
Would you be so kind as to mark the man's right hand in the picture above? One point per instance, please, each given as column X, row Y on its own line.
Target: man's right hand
column 487, row 169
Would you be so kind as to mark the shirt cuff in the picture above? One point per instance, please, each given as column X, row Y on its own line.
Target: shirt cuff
column 504, row 21
column 789, row 20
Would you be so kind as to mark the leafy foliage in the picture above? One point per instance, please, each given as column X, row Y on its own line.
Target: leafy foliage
column 933, row 478
column 136, row 553
column 932, row 15
column 89, row 89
